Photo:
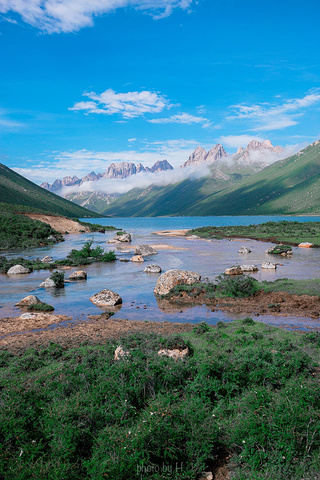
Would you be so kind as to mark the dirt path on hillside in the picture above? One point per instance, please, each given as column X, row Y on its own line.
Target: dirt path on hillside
column 60, row 224
column 18, row 334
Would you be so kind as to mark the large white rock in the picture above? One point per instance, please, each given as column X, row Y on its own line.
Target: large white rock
column 106, row 298
column 244, row 250
column 137, row 258
column 48, row 283
column 47, row 259
column 249, row 268
column 18, row 270
column 233, row 270
column 171, row 278
column 268, row 266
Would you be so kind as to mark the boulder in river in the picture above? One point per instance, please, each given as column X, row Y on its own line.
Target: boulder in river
column 145, row 250
column 236, row 270
column 249, row 268
column 152, row 269
column 268, row 266
column 48, row 283
column 106, row 298
column 78, row 275
column 137, row 258
column 18, row 270
column 171, row 278
column 29, row 300
column 245, row 250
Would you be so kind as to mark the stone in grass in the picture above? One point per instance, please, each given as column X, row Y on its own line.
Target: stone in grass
column 137, row 258
column 171, row 278
column 106, row 298
column 152, row 269
column 119, row 353
column 78, row 275
column 18, row 270
column 175, row 353
column 47, row 259
column 29, row 300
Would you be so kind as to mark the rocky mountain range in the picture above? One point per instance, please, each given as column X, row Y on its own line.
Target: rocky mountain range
column 222, row 167
column 114, row 170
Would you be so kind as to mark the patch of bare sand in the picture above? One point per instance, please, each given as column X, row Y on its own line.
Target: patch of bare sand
column 172, row 233
column 18, row 335
column 60, row 224
column 158, row 246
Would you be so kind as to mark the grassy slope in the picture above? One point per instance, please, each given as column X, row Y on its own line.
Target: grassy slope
column 26, row 196
column 170, row 200
column 288, row 186
column 248, row 390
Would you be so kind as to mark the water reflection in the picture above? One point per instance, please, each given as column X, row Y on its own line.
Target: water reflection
column 209, row 258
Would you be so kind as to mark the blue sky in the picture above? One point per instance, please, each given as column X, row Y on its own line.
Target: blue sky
column 86, row 83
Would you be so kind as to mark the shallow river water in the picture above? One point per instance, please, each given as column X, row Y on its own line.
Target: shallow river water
column 208, row 257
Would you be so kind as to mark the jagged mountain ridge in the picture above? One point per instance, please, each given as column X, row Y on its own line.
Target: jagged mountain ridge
column 114, row 170
column 288, row 186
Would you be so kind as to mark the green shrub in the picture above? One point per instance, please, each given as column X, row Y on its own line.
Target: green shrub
column 40, row 307
column 236, row 285
column 58, row 278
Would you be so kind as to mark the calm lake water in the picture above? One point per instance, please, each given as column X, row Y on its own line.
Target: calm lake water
column 208, row 257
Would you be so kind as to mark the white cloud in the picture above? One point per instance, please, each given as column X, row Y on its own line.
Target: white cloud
column 268, row 117
column 141, row 180
column 132, row 139
column 81, row 162
column 8, row 124
column 235, row 141
column 56, row 16
column 183, row 118
column 129, row 105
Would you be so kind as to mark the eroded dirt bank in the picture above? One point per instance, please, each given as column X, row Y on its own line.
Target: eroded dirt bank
column 60, row 224
column 18, row 334
column 261, row 303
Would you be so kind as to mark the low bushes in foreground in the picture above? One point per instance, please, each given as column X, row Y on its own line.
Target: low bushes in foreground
column 247, row 389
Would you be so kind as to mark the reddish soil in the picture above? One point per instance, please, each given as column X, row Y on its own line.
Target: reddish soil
column 18, row 334
column 274, row 303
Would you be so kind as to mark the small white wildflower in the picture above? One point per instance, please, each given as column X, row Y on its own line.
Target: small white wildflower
column 243, row 441
column 21, row 452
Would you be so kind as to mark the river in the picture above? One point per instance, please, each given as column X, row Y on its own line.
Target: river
column 208, row 257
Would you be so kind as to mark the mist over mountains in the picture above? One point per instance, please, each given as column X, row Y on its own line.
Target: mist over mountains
column 98, row 190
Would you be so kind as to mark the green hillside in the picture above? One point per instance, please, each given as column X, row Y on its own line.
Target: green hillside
column 19, row 194
column 170, row 200
column 289, row 186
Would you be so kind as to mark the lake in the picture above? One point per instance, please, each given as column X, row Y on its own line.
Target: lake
column 208, row 257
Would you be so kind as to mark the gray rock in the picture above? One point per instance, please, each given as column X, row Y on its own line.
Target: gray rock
column 113, row 240
column 78, row 275
column 244, row 250
column 249, row 268
column 106, row 298
column 268, row 266
column 29, row 300
column 171, row 278
column 152, row 269
column 47, row 259
column 48, row 283
column 145, row 250
column 18, row 270
column 124, row 238
column 52, row 238
column 206, row 476
column 236, row 270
